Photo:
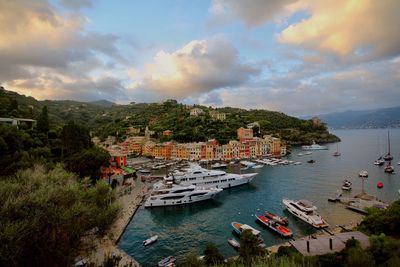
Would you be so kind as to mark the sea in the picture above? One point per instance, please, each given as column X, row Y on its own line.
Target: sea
column 188, row 229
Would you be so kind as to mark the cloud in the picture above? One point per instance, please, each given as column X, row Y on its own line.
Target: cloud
column 197, row 68
column 362, row 29
column 358, row 87
column 251, row 13
column 49, row 55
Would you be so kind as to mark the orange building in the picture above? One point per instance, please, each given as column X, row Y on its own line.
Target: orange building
column 168, row 133
column 243, row 133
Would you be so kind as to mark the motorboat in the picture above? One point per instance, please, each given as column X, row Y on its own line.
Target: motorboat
column 257, row 166
column 276, row 218
column 168, row 261
column 308, row 153
column 150, row 240
column 379, row 162
column 235, row 244
column 239, row 228
column 305, row 211
column 201, row 177
column 314, row 146
column 300, row 154
column 363, row 174
column 173, row 194
column 335, row 197
column 274, row 226
column 311, row 161
column 346, row 185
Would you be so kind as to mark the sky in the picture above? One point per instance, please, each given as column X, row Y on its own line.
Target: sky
column 300, row 57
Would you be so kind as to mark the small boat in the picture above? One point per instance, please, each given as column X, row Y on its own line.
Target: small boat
column 274, row 226
column 257, row 167
column 389, row 168
column 336, row 196
column 308, row 153
column 145, row 171
column 346, row 185
column 239, row 228
column 311, row 161
column 219, row 166
column 300, row 154
column 379, row 162
column 168, row 261
column 150, row 240
column 363, row 174
column 234, row 243
column 379, row 185
column 276, row 218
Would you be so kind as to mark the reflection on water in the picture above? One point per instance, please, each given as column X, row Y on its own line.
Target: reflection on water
column 190, row 228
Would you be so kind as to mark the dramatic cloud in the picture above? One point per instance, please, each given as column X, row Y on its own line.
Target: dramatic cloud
column 48, row 55
column 365, row 29
column 198, row 67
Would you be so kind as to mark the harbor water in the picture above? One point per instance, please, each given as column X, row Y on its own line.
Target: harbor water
column 189, row 228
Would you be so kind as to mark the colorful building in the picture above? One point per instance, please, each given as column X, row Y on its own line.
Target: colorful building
column 243, row 133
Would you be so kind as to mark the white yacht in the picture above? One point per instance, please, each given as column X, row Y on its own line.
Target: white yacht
column 178, row 195
column 306, row 211
column 198, row 176
column 314, row 146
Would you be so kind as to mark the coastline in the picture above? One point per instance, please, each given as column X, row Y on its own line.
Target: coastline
column 96, row 249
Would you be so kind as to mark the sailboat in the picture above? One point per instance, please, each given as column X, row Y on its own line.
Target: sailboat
column 389, row 168
column 337, row 153
column 388, row 157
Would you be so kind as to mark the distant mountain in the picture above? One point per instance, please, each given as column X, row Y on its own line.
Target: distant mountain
column 103, row 103
column 376, row 118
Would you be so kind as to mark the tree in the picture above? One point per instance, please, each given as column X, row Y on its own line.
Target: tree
column 87, row 162
column 44, row 215
column 249, row 246
column 43, row 125
column 75, row 138
column 212, row 256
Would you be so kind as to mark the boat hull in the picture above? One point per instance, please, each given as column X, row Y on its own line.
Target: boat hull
column 302, row 217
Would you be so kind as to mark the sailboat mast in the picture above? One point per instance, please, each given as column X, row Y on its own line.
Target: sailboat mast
column 389, row 143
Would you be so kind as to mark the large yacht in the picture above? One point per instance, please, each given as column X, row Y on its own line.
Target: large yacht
column 178, row 195
column 196, row 175
column 306, row 211
column 314, row 146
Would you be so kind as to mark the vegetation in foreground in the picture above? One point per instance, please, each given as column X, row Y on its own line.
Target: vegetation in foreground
column 44, row 214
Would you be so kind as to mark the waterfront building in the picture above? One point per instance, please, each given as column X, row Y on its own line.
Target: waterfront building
column 217, row 115
column 194, row 150
column 196, row 112
column 118, row 157
column 275, row 145
column 147, row 148
column 243, row 133
column 162, row 150
column 180, row 151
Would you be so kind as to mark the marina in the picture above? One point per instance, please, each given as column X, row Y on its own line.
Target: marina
column 210, row 221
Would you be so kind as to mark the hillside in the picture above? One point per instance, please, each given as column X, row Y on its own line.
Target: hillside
column 105, row 119
column 376, row 118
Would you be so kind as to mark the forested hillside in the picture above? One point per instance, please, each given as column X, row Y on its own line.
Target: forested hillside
column 106, row 119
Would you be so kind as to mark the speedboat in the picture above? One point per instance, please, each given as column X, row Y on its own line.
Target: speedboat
column 168, row 261
column 274, row 226
column 276, row 218
column 235, row 244
column 201, row 177
column 314, row 146
column 150, row 240
column 179, row 195
column 300, row 154
column 239, row 228
column 346, row 185
column 363, row 174
column 305, row 211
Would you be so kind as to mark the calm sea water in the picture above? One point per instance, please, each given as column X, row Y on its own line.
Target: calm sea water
column 189, row 229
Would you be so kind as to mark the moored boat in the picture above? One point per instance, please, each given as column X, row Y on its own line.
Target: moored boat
column 276, row 218
column 388, row 156
column 240, row 227
column 150, row 240
column 274, row 226
column 305, row 211
column 379, row 162
column 336, row 196
column 311, row 161
column 336, row 153
column 235, row 244
column 363, row 174
column 314, row 146
column 346, row 185
column 168, row 261
column 389, row 168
